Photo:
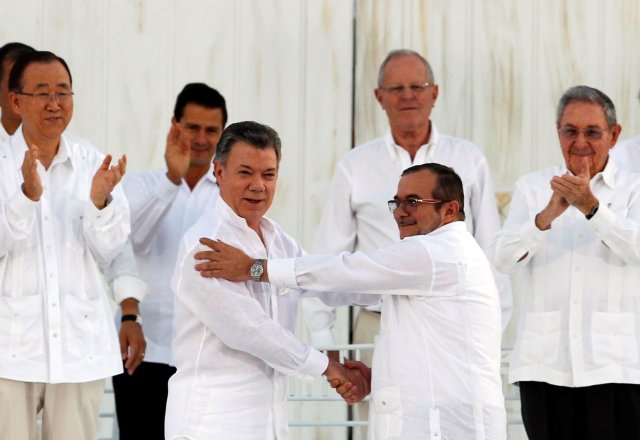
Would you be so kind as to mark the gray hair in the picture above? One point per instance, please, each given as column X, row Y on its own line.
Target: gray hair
column 589, row 95
column 253, row 133
column 398, row 53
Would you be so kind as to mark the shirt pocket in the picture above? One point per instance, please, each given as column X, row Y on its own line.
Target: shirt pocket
column 613, row 338
column 21, row 326
column 540, row 337
column 388, row 411
column 81, row 325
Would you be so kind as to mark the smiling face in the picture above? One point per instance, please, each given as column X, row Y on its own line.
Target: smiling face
column 43, row 122
column 248, row 181
column 424, row 217
column 408, row 110
column 202, row 128
column 578, row 131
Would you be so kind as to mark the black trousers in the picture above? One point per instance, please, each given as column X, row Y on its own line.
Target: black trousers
column 141, row 401
column 600, row 412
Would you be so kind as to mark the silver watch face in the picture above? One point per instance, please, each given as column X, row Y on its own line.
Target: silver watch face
column 256, row 270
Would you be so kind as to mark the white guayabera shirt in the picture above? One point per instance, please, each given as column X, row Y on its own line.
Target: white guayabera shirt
column 580, row 317
column 234, row 343
column 436, row 365
column 56, row 321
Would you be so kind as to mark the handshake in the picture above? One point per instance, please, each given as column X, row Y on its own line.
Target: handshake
column 352, row 380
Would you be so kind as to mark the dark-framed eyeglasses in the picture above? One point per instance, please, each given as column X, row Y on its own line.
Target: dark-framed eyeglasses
column 44, row 98
column 411, row 204
column 572, row 133
column 416, row 89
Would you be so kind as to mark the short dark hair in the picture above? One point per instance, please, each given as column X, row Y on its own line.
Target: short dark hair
column 258, row 135
column 11, row 52
column 44, row 57
column 201, row 94
column 589, row 95
column 448, row 183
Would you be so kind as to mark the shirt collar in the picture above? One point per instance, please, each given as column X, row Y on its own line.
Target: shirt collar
column 424, row 152
column 19, row 146
column 607, row 175
column 228, row 215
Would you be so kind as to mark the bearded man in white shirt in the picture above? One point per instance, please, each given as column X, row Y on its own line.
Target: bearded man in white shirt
column 436, row 365
column 164, row 204
column 574, row 232
column 61, row 216
column 234, row 346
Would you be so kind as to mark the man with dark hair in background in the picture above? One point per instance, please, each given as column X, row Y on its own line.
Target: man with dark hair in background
column 164, row 204
column 9, row 53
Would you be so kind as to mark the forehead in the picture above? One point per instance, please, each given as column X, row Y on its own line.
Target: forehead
column 45, row 74
column 407, row 67
column 243, row 154
column 198, row 114
column 583, row 114
column 420, row 183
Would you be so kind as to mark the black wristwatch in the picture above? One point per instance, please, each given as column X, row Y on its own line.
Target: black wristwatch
column 593, row 211
column 134, row 318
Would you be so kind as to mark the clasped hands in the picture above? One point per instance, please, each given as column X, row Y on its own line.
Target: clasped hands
column 352, row 380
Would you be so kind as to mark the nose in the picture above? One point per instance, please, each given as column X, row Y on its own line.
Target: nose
column 406, row 92
column 201, row 137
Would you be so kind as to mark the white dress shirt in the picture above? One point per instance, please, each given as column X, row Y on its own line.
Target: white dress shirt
column 161, row 212
column 356, row 216
column 580, row 314
column 57, row 323
column 436, row 365
column 626, row 154
column 234, row 344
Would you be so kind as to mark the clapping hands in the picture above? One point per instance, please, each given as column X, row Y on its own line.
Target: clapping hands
column 352, row 380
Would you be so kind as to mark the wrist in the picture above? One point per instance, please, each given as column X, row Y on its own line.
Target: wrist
column 176, row 180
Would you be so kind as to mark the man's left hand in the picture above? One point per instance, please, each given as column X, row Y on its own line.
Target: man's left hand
column 132, row 345
column 223, row 261
column 105, row 179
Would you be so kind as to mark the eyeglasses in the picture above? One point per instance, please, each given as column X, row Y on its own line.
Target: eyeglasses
column 416, row 89
column 411, row 204
column 44, row 98
column 593, row 134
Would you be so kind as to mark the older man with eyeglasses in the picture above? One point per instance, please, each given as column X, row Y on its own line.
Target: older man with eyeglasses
column 355, row 217
column 62, row 214
column 573, row 230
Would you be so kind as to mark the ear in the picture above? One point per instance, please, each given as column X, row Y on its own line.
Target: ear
column 436, row 91
column 451, row 210
column 14, row 99
column 615, row 134
column 378, row 93
column 217, row 171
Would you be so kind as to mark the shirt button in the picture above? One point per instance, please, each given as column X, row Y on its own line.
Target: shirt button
column 55, row 335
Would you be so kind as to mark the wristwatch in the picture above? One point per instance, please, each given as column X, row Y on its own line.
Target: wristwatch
column 134, row 318
column 257, row 270
column 593, row 211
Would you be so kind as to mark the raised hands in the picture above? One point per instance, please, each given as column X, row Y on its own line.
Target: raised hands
column 32, row 185
column 223, row 261
column 351, row 380
column 575, row 189
column 568, row 190
column 105, row 179
column 177, row 154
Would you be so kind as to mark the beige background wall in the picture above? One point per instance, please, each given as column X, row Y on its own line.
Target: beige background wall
column 302, row 66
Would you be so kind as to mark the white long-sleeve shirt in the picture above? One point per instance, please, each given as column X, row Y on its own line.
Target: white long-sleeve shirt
column 57, row 322
column 626, row 154
column 580, row 316
column 161, row 212
column 234, row 343
column 356, row 216
column 436, row 365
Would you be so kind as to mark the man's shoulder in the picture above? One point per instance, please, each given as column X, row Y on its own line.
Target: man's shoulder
column 370, row 150
column 449, row 141
column 542, row 175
